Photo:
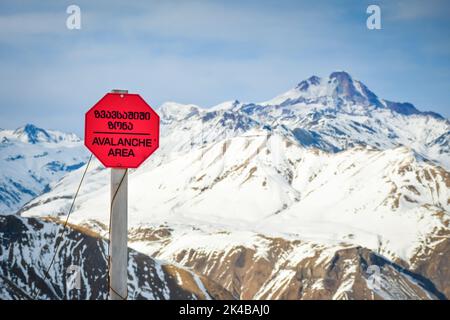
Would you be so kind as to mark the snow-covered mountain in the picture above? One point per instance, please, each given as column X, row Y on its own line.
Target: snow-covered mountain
column 31, row 159
column 248, row 191
column 297, row 197
column 331, row 114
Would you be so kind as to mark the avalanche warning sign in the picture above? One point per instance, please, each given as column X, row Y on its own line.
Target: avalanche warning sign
column 121, row 130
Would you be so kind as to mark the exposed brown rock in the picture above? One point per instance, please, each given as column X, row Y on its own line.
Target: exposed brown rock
column 432, row 261
column 343, row 275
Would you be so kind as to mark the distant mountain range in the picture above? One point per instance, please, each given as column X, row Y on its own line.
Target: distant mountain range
column 298, row 197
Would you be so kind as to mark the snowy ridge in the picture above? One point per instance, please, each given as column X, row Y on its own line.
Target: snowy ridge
column 34, row 135
column 341, row 90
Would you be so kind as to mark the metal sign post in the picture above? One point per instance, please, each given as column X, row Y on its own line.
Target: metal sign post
column 118, row 246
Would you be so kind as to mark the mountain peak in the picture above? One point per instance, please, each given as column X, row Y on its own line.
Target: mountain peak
column 29, row 127
column 339, row 83
column 339, row 86
column 344, row 84
column 32, row 129
column 32, row 134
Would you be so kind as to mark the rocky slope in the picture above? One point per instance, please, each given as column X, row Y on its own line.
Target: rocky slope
column 26, row 248
column 252, row 266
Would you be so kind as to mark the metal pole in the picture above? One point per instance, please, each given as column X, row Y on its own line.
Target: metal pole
column 118, row 246
column 118, row 234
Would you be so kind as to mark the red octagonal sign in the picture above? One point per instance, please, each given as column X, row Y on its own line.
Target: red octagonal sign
column 121, row 130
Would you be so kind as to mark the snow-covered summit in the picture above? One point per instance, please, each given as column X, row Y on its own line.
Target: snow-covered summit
column 331, row 114
column 340, row 90
column 32, row 134
column 339, row 87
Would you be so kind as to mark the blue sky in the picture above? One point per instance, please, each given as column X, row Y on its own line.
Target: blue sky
column 207, row 52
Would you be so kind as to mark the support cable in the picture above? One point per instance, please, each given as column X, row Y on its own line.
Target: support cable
column 61, row 232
